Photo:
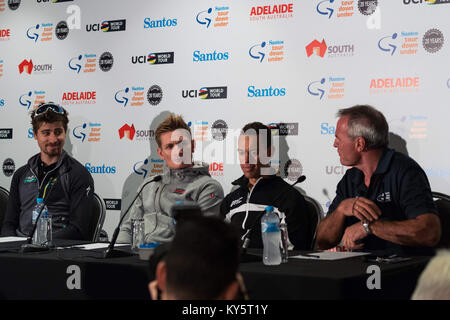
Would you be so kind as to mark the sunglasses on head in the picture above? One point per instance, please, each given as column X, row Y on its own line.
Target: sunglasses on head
column 48, row 106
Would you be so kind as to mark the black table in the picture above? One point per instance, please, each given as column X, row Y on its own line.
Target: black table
column 339, row 279
column 76, row 274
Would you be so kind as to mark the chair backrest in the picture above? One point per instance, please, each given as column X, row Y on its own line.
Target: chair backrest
column 4, row 196
column 442, row 202
column 98, row 212
column 316, row 213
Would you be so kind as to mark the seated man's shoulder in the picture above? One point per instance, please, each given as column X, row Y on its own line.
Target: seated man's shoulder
column 22, row 170
column 403, row 161
column 203, row 180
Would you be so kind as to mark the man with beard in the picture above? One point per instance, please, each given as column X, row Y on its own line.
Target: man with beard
column 61, row 181
column 260, row 187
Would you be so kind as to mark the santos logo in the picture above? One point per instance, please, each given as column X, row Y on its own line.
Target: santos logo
column 325, row 128
column 209, row 56
column 265, row 92
column 150, row 24
column 100, row 169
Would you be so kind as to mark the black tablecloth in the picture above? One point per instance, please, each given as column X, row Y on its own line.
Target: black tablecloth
column 51, row 275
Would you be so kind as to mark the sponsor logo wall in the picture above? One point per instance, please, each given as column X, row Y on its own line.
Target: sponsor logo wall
column 119, row 69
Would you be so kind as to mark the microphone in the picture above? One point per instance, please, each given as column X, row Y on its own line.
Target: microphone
column 246, row 237
column 110, row 250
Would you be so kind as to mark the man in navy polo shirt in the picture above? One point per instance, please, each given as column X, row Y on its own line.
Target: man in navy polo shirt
column 384, row 202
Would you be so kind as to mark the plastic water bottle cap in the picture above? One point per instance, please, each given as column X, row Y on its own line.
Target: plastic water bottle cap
column 40, row 200
column 269, row 209
column 150, row 245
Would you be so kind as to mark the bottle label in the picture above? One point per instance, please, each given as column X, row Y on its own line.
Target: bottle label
column 35, row 215
column 269, row 227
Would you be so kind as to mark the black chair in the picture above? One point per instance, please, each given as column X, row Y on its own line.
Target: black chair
column 442, row 202
column 315, row 213
column 98, row 213
column 4, row 196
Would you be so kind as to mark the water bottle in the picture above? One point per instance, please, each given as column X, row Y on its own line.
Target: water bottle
column 34, row 216
column 44, row 228
column 43, row 232
column 270, row 231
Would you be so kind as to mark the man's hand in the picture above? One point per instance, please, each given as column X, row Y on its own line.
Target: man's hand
column 360, row 207
column 353, row 233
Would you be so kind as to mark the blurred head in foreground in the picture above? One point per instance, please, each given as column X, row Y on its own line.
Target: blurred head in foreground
column 202, row 263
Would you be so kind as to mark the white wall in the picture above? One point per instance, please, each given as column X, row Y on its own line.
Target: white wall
column 417, row 114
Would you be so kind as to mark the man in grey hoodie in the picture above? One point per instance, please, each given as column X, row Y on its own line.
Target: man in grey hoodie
column 182, row 180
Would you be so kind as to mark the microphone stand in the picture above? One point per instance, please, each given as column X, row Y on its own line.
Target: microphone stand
column 110, row 252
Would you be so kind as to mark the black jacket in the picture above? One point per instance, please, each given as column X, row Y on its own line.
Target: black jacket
column 244, row 209
column 67, row 191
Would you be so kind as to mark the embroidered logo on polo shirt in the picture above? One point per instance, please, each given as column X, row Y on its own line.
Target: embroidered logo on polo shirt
column 384, row 197
column 235, row 202
column 30, row 179
column 179, row 191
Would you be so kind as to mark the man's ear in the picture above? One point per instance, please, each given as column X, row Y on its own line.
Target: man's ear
column 160, row 153
column 161, row 274
column 360, row 144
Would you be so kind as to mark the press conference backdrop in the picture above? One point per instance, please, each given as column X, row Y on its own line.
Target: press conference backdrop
column 119, row 67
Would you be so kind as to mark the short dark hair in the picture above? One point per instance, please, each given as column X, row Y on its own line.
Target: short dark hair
column 48, row 117
column 257, row 128
column 367, row 122
column 203, row 258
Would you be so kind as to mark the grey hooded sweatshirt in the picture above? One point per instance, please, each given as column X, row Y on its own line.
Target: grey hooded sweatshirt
column 154, row 204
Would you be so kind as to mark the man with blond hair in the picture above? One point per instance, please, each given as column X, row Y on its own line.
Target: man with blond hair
column 182, row 180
